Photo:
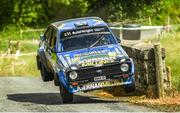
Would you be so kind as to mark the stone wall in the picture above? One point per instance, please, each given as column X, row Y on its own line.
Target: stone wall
column 145, row 71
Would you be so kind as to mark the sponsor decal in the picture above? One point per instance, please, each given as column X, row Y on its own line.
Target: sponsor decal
column 63, row 60
column 75, row 60
column 69, row 33
column 94, row 58
column 96, row 61
column 96, row 85
column 92, row 53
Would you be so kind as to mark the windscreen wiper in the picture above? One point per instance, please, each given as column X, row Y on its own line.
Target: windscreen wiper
column 99, row 39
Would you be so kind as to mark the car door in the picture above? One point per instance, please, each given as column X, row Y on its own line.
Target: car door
column 43, row 48
column 50, row 49
column 47, row 50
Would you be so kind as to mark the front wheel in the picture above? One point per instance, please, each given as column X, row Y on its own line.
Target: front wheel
column 130, row 88
column 45, row 75
column 66, row 96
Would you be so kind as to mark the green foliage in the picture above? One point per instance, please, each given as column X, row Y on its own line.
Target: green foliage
column 21, row 12
column 65, row 9
column 161, row 10
column 7, row 8
column 27, row 12
column 171, row 44
column 122, row 10
column 34, row 13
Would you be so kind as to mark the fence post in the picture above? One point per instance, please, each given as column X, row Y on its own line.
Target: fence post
column 159, row 70
column 150, row 23
column 20, row 34
column 13, row 67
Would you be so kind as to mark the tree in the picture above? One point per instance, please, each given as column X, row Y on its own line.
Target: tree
column 33, row 13
column 65, row 9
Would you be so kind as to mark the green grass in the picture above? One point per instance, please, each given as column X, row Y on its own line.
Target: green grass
column 171, row 42
column 12, row 33
column 28, row 47
column 31, row 35
column 23, row 66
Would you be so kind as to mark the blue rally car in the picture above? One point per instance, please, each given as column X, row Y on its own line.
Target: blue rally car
column 81, row 55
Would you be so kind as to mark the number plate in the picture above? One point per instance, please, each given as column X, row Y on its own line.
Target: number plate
column 97, row 85
column 99, row 78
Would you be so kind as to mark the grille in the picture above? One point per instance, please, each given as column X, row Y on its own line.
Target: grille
column 90, row 73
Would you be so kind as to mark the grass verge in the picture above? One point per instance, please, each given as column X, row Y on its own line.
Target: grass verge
column 171, row 42
column 167, row 104
column 23, row 65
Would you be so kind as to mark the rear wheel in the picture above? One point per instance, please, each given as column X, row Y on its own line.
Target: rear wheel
column 56, row 80
column 66, row 96
column 45, row 75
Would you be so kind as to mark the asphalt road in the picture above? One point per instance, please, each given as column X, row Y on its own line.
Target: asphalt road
column 31, row 94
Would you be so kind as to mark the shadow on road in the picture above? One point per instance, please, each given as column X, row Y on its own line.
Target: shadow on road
column 53, row 98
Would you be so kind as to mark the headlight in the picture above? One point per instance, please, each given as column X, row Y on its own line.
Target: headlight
column 73, row 75
column 124, row 67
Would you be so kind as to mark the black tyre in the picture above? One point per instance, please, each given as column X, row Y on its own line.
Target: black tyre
column 38, row 62
column 45, row 75
column 66, row 96
column 56, row 80
column 130, row 88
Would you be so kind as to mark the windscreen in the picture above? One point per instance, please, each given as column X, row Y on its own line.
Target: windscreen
column 85, row 38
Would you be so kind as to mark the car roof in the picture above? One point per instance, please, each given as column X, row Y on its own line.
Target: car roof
column 71, row 23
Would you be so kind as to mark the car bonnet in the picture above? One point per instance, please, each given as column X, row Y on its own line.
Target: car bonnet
column 96, row 56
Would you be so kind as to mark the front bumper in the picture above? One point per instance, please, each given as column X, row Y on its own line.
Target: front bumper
column 103, row 84
column 88, row 83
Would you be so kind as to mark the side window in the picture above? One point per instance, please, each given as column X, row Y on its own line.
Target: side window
column 48, row 34
column 53, row 39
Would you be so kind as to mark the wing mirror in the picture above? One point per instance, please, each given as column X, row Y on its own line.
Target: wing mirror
column 42, row 38
column 52, row 50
